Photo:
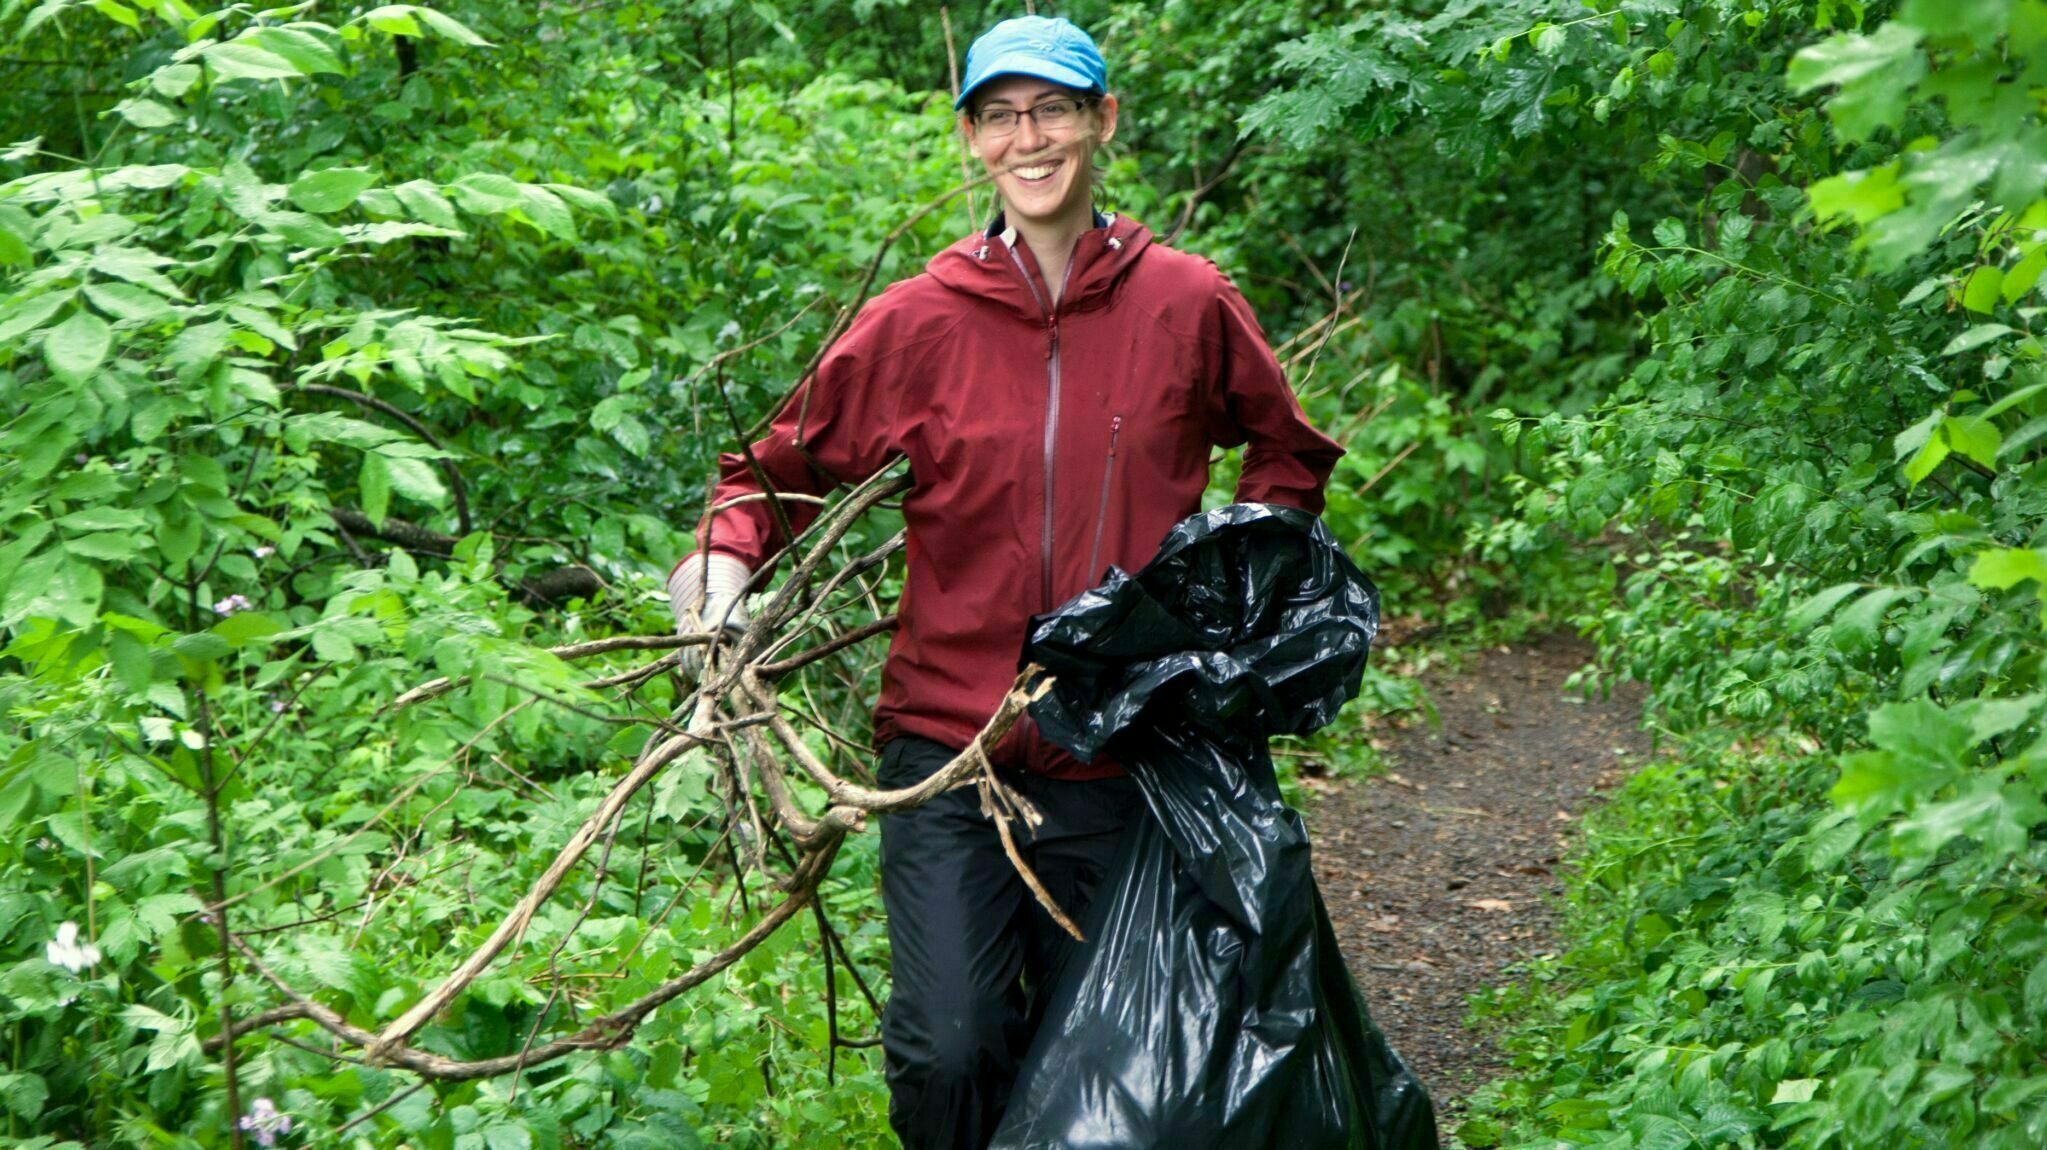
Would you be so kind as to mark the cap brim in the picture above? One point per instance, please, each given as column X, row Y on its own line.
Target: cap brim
column 1026, row 64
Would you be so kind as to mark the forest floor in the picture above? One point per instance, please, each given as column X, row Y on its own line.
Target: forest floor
column 1442, row 874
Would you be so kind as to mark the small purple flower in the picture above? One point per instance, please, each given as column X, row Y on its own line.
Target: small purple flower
column 232, row 604
column 1344, row 287
column 266, row 1122
column 81, row 459
column 277, row 706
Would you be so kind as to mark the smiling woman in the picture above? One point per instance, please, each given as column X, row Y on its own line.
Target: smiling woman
column 1057, row 384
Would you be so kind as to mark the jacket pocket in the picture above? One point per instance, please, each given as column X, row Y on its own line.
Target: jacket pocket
column 1093, row 573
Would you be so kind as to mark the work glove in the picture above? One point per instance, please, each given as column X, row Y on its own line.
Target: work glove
column 720, row 585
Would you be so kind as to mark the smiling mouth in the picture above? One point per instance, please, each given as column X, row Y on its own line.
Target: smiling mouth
column 1035, row 173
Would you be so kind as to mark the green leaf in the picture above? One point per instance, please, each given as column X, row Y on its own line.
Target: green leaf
column 14, row 247
column 2004, row 568
column 2024, row 274
column 125, row 301
column 1929, row 457
column 1855, row 627
column 29, row 314
column 415, row 479
column 1916, row 437
column 174, row 80
column 547, row 210
column 1974, row 437
column 1985, row 287
column 76, row 347
column 24, row 1093
column 328, row 427
column 2036, row 989
column 506, row 1136
column 1975, row 337
column 373, row 482
column 1875, row 73
column 195, row 349
column 245, row 627
column 393, row 19
column 1920, row 730
column 486, row 193
column 145, row 113
column 1808, row 614
column 426, row 204
column 1795, row 1090
column 330, row 190
column 298, row 47
column 449, row 28
column 242, row 60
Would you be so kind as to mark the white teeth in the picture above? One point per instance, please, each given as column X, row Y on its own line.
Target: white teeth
column 1038, row 172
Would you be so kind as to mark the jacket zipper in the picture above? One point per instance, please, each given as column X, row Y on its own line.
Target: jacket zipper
column 1051, row 407
column 1094, row 552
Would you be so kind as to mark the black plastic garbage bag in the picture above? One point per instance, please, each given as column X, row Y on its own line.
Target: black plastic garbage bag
column 1211, row 1009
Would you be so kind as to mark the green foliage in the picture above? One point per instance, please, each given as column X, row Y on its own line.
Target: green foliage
column 1816, row 475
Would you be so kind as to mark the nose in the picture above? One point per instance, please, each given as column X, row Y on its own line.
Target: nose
column 1028, row 138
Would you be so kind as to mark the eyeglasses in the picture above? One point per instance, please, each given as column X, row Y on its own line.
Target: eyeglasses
column 1054, row 115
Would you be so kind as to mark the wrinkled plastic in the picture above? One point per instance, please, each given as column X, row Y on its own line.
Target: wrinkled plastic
column 1211, row 1007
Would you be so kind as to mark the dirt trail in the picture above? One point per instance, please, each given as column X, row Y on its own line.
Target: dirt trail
column 1440, row 874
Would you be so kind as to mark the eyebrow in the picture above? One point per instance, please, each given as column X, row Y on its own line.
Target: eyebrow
column 1034, row 98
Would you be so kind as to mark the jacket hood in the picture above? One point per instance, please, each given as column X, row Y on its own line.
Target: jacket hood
column 997, row 265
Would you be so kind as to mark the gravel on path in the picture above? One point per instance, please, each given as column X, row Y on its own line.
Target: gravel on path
column 1441, row 874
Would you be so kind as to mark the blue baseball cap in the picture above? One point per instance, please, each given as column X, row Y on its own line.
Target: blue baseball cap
column 1048, row 47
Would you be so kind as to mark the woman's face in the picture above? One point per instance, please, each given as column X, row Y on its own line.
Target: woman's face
column 1043, row 174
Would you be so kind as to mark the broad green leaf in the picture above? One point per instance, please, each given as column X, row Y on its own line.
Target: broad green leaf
column 303, row 50
column 174, row 80
column 2013, row 400
column 547, row 210
column 484, row 193
column 75, row 348
column 1915, row 437
column 146, row 113
column 29, row 314
column 242, row 60
column 14, row 247
column 328, row 427
column 415, row 479
column 1974, row 338
column 394, row 19
column 2004, row 568
column 425, row 202
column 244, row 627
column 1856, row 626
column 330, row 190
column 117, row 12
column 1985, row 287
column 2024, row 274
column 1920, row 730
column 449, row 28
column 1875, row 73
column 125, row 301
column 1974, row 437
column 1930, row 457
column 1808, row 614
column 195, row 349
column 373, row 484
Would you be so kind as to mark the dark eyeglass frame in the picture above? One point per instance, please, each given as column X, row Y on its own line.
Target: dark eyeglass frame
column 987, row 129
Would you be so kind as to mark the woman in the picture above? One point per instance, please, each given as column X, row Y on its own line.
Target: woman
column 1057, row 384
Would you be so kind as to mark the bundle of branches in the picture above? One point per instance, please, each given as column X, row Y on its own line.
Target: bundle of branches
column 757, row 750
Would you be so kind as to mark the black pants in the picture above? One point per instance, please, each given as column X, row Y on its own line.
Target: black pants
column 972, row 947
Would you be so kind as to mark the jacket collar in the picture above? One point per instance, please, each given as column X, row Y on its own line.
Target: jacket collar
column 996, row 265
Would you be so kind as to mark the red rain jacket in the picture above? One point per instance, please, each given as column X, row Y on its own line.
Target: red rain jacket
column 1045, row 443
